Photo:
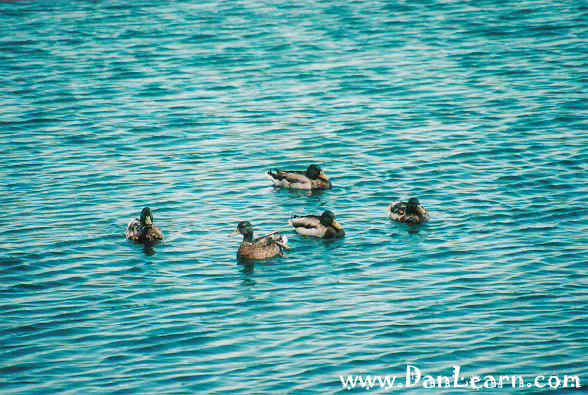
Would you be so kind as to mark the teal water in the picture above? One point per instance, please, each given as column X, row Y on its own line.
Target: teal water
column 478, row 108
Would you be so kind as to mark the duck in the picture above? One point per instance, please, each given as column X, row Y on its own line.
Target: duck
column 262, row 247
column 324, row 226
column 312, row 179
column 409, row 212
column 143, row 229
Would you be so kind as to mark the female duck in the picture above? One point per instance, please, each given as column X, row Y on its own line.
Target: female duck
column 410, row 212
column 313, row 179
column 143, row 229
column 262, row 247
column 324, row 226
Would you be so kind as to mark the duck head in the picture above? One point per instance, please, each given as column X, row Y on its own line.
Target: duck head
column 412, row 207
column 244, row 228
column 314, row 171
column 146, row 217
column 328, row 219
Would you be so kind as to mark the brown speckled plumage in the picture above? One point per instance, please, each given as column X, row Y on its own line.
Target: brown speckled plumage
column 143, row 230
column 260, row 248
column 409, row 212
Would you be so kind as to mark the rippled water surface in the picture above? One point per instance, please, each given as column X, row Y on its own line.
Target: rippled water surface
column 478, row 108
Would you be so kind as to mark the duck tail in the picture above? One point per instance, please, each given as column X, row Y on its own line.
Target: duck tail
column 282, row 245
column 283, row 242
column 272, row 176
column 392, row 205
column 292, row 219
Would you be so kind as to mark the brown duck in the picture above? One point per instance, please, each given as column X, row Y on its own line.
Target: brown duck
column 410, row 212
column 262, row 247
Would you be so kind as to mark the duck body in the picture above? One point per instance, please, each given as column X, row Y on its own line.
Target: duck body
column 324, row 226
column 408, row 212
column 262, row 247
column 311, row 179
column 143, row 229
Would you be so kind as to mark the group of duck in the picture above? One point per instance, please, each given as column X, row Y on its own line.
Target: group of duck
column 325, row 226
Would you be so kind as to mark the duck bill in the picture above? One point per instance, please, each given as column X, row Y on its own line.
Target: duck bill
column 336, row 225
column 235, row 232
column 148, row 222
column 323, row 176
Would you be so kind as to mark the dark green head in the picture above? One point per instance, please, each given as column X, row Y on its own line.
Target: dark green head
column 146, row 217
column 412, row 207
column 314, row 171
column 328, row 219
column 244, row 228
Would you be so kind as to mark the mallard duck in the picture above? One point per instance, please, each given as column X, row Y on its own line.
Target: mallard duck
column 143, row 229
column 312, row 179
column 409, row 212
column 262, row 247
column 325, row 225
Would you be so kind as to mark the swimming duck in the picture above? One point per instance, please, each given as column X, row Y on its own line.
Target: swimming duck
column 262, row 247
column 325, row 225
column 409, row 212
column 143, row 229
column 312, row 179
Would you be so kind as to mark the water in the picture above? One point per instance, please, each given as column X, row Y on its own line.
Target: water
column 476, row 108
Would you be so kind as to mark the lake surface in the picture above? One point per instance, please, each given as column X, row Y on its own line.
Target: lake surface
column 478, row 108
